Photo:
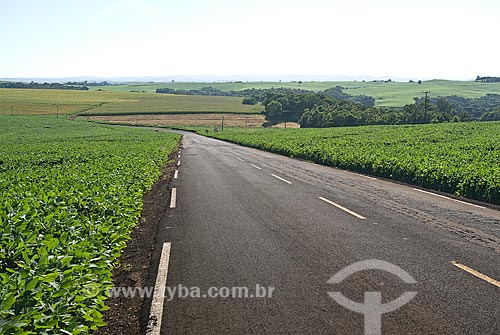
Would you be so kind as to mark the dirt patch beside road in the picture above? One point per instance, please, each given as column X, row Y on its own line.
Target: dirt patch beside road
column 129, row 315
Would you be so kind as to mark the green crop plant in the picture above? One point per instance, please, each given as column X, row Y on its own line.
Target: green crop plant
column 70, row 194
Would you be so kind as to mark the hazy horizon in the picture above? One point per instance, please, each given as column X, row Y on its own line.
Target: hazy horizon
column 350, row 40
column 231, row 78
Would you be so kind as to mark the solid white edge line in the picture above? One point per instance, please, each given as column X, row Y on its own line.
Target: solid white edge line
column 156, row 311
column 448, row 198
column 476, row 273
column 343, row 208
column 173, row 198
column 255, row 166
column 176, row 174
column 282, row 179
column 364, row 176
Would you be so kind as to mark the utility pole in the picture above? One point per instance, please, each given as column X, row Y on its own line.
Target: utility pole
column 222, row 125
column 425, row 103
column 285, row 117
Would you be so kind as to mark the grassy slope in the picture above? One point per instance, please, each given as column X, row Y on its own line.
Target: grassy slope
column 135, row 103
column 23, row 101
column 386, row 94
column 399, row 94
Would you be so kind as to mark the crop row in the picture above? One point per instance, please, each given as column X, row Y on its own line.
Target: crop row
column 71, row 193
column 461, row 159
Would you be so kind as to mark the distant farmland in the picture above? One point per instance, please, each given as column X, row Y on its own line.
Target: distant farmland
column 33, row 102
column 118, row 100
column 144, row 103
column 209, row 120
column 390, row 94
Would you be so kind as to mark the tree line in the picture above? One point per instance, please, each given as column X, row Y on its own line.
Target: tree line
column 317, row 110
column 332, row 107
column 33, row 85
column 475, row 108
column 92, row 83
column 254, row 93
column 253, row 96
column 488, row 79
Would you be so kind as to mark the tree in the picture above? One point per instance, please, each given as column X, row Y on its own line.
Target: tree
column 249, row 101
column 274, row 108
column 491, row 116
column 443, row 105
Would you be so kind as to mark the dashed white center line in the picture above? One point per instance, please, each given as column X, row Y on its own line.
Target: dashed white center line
column 239, row 159
column 178, row 163
column 448, row 198
column 176, row 174
column 156, row 312
column 173, row 198
column 343, row 208
column 477, row 274
column 282, row 179
column 257, row 167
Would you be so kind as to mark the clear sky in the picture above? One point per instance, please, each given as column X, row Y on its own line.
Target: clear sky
column 454, row 39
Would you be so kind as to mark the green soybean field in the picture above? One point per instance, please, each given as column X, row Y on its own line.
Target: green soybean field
column 70, row 195
column 458, row 158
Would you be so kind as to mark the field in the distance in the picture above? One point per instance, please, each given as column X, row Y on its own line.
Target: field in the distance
column 385, row 94
column 155, row 103
column 458, row 158
column 117, row 100
column 207, row 120
column 33, row 102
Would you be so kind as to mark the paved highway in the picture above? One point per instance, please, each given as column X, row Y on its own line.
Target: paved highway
column 244, row 217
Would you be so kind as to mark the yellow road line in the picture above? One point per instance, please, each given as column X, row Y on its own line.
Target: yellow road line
column 477, row 274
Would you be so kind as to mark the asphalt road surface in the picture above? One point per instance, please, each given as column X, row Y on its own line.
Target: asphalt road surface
column 244, row 217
